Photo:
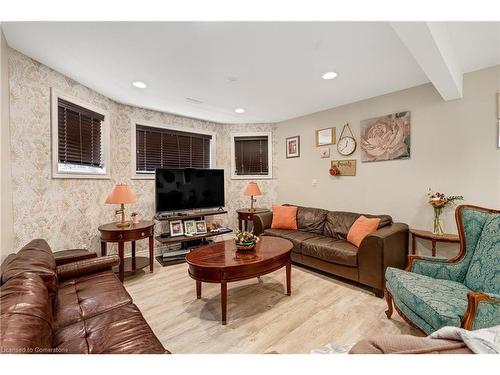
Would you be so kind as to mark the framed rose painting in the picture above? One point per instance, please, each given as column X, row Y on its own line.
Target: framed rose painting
column 386, row 137
column 293, row 147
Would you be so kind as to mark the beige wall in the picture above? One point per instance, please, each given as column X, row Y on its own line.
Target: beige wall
column 453, row 150
column 6, row 222
column 67, row 212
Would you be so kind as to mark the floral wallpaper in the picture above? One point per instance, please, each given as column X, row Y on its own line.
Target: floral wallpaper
column 67, row 212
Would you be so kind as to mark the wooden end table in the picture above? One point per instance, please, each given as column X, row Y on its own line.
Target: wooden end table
column 245, row 215
column 111, row 233
column 427, row 235
column 221, row 263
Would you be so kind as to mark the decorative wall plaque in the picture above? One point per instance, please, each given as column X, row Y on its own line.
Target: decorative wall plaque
column 346, row 167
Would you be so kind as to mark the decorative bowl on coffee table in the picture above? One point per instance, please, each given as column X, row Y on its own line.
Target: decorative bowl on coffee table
column 245, row 241
column 246, row 246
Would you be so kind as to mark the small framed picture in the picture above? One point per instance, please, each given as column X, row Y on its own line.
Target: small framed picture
column 201, row 226
column 189, row 227
column 176, row 228
column 325, row 137
column 293, row 147
column 324, row 152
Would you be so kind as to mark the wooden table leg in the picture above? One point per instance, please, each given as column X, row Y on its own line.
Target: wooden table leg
column 103, row 248
column 289, row 278
column 133, row 255
column 413, row 244
column 240, row 225
column 223, row 301
column 121, row 251
column 198, row 289
column 151, row 253
column 433, row 248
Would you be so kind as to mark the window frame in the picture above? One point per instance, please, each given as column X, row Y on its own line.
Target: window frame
column 133, row 144
column 93, row 172
column 269, row 175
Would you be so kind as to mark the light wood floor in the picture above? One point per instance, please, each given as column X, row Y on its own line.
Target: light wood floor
column 261, row 318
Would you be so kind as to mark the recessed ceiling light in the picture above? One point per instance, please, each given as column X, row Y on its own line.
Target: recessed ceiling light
column 329, row 75
column 139, row 84
column 239, row 110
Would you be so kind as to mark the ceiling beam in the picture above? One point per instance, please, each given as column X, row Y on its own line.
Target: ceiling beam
column 430, row 45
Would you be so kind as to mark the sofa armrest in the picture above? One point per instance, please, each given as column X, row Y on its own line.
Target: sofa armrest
column 73, row 255
column 483, row 310
column 415, row 261
column 387, row 247
column 262, row 222
column 87, row 266
column 437, row 267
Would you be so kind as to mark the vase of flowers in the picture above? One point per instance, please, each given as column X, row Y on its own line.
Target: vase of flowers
column 438, row 201
column 245, row 241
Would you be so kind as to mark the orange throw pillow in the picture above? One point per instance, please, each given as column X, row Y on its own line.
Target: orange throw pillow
column 284, row 217
column 361, row 228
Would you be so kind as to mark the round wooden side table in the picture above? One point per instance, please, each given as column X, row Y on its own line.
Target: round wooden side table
column 245, row 215
column 111, row 233
column 427, row 235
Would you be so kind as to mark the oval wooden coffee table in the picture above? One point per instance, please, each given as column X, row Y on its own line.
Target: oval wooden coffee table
column 221, row 263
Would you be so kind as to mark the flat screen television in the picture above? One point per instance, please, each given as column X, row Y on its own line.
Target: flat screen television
column 184, row 189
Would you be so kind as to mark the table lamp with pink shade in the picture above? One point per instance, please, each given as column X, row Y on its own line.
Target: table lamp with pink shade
column 252, row 190
column 121, row 194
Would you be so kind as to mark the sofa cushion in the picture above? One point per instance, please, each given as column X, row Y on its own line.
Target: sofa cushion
column 438, row 302
column 338, row 223
column 484, row 269
column 311, row 219
column 331, row 250
column 121, row 330
column 87, row 296
column 296, row 236
column 284, row 217
column 362, row 227
column 25, row 315
column 35, row 257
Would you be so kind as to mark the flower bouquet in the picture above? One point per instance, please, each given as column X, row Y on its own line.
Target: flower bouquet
column 245, row 241
column 438, row 201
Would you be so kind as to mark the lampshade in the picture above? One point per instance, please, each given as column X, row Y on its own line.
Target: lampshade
column 252, row 189
column 121, row 193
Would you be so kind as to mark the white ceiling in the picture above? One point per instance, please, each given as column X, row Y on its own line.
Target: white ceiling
column 273, row 70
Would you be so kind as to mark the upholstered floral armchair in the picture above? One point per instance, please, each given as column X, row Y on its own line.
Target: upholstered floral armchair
column 461, row 292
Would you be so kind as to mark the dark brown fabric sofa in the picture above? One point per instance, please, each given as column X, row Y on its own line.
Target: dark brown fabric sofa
column 320, row 242
column 71, row 302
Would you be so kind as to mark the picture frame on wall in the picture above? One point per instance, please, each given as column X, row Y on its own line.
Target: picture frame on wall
column 324, row 152
column 325, row 137
column 293, row 147
column 386, row 137
column 176, row 228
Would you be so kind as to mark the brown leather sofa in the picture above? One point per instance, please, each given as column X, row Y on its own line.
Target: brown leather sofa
column 68, row 302
column 320, row 242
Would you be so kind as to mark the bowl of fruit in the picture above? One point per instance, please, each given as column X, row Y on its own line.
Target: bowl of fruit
column 245, row 241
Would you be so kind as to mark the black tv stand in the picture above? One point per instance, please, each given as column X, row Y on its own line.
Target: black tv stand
column 187, row 242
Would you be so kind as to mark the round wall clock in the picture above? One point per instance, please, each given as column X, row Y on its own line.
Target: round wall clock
column 346, row 145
